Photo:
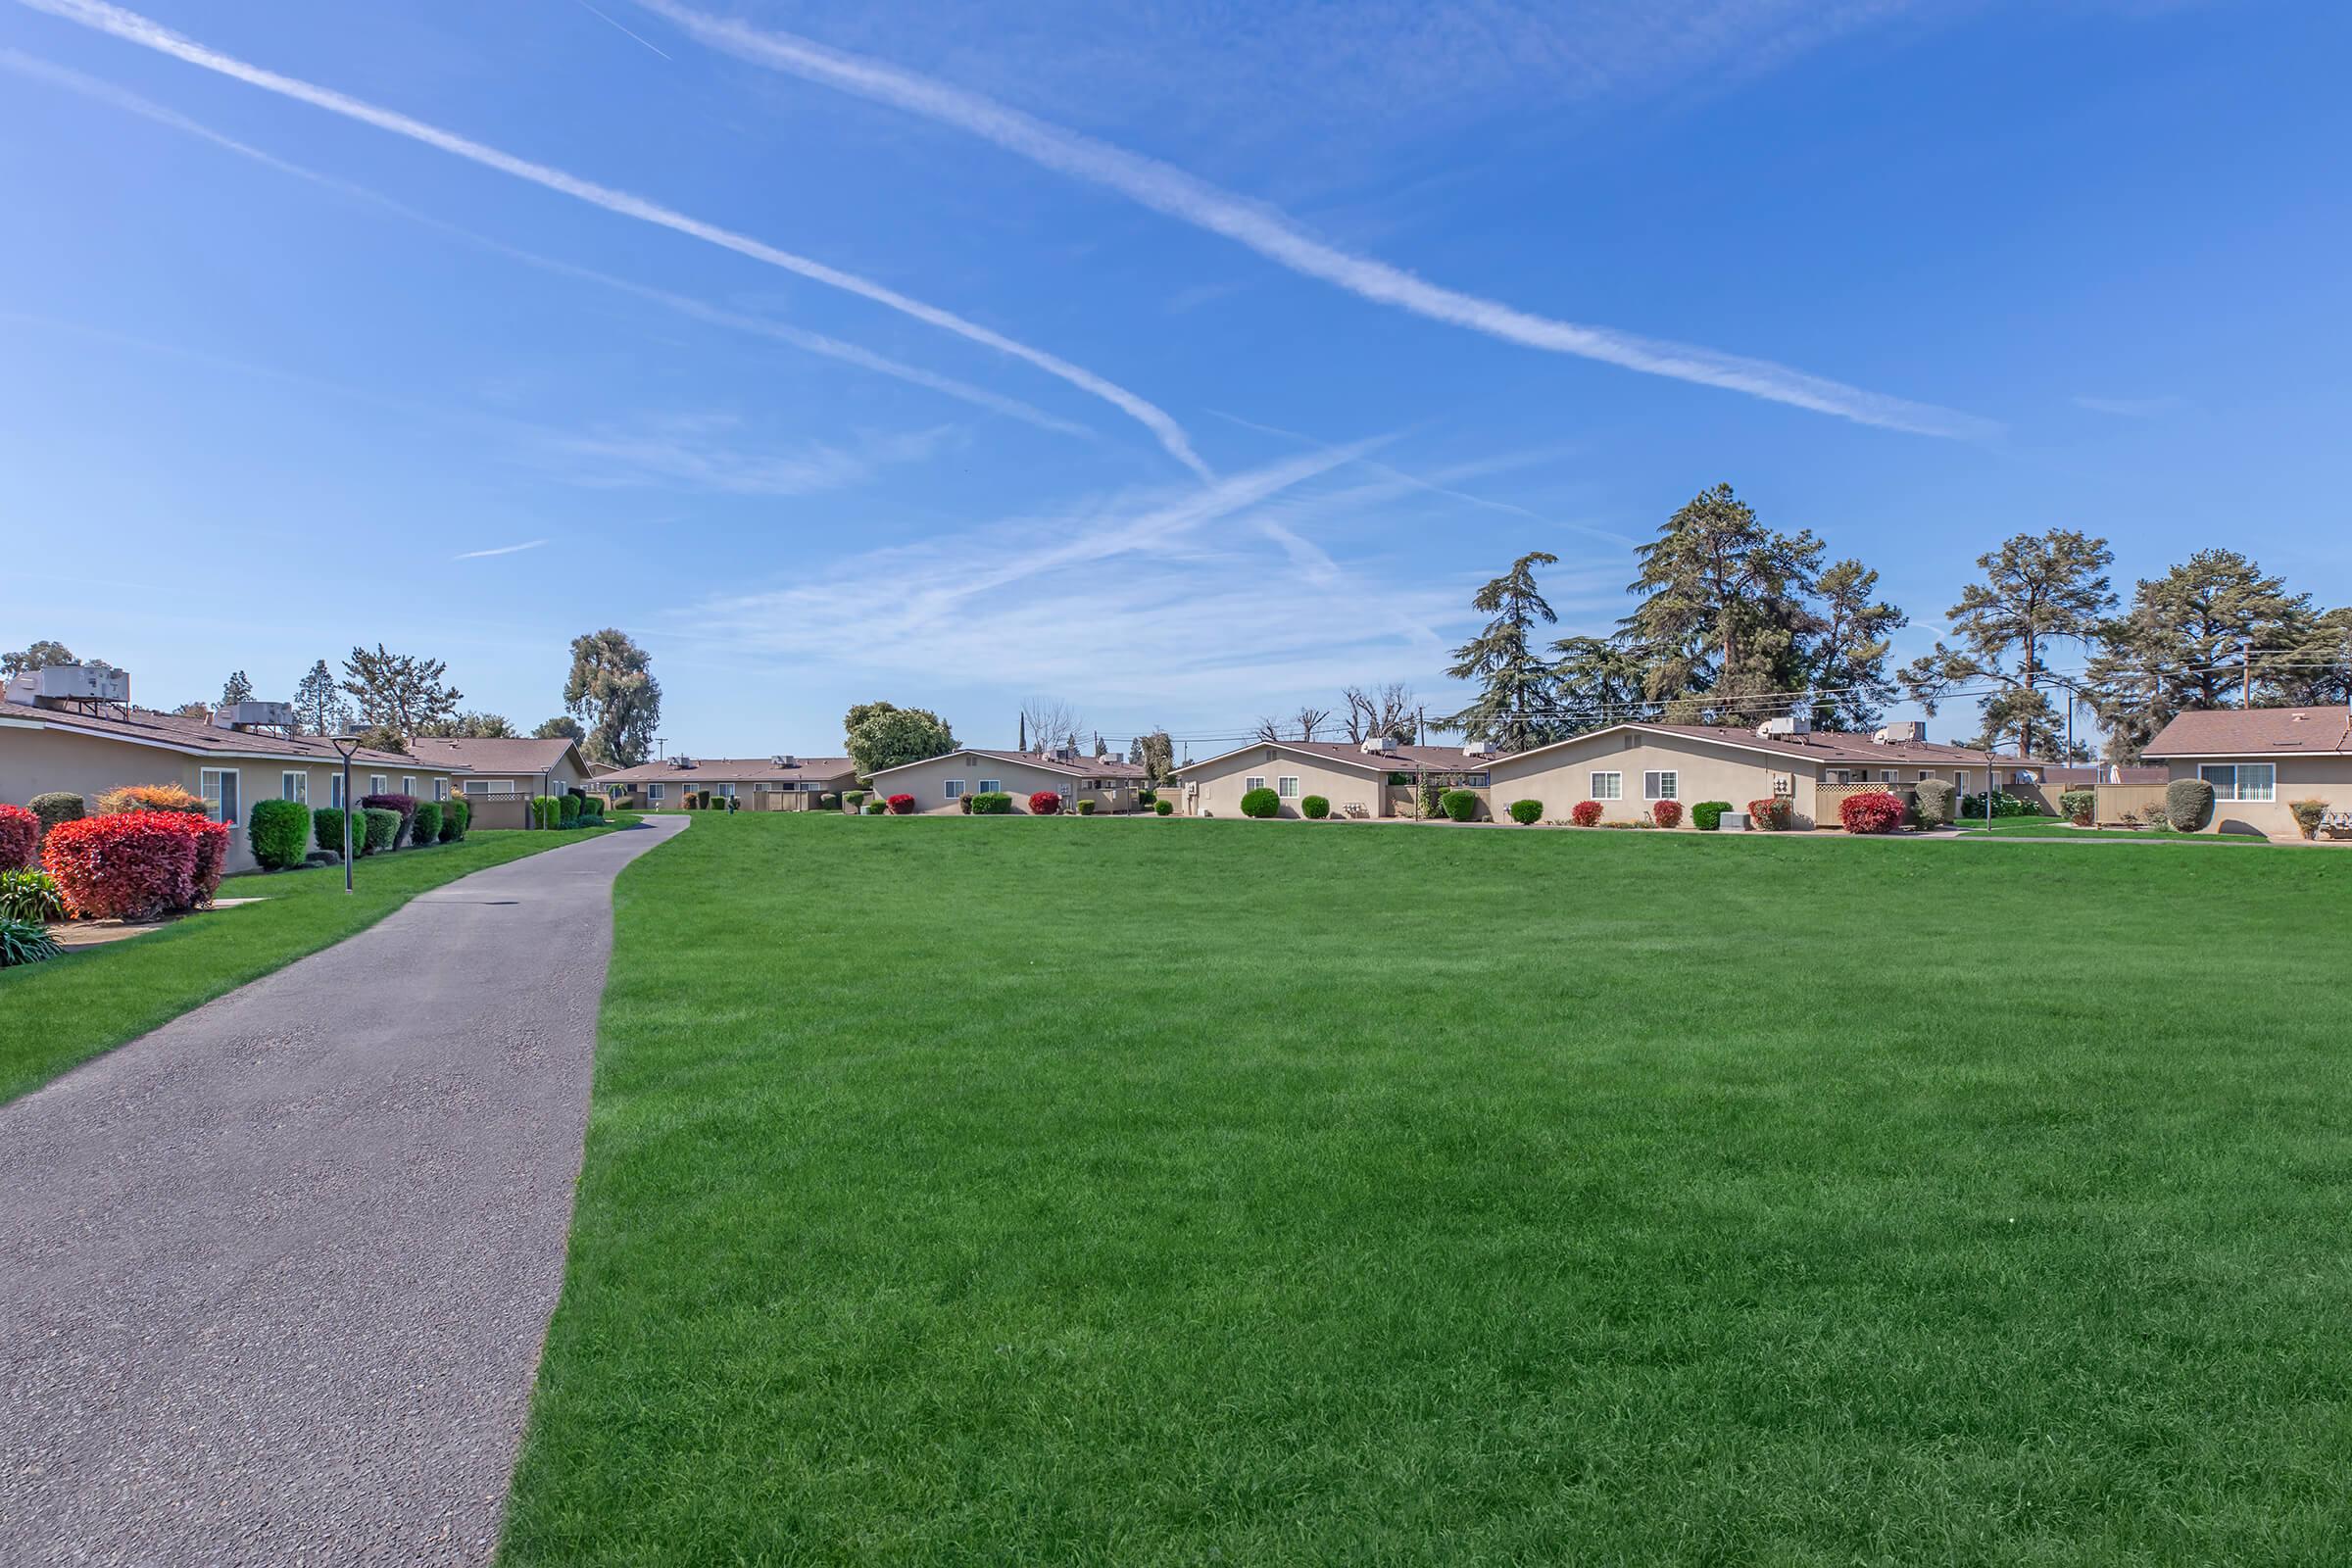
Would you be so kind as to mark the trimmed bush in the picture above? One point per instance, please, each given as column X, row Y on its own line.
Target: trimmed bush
column 402, row 806
column 901, row 805
column 1164, row 807
column 2078, row 807
column 1935, row 800
column 25, row 942
column 1460, row 805
column 2307, row 815
column 1316, row 807
column 1260, row 802
column 149, row 798
column 425, row 828
column 1775, row 813
column 326, row 826
column 1086, row 807
column 854, row 799
column 383, row 828
column 1527, row 813
column 991, row 803
column 1044, row 803
column 457, row 815
column 20, row 837
column 2004, row 804
column 2188, row 803
column 1146, row 797
column 57, row 806
column 591, row 810
column 567, row 811
column 31, row 896
column 875, row 807
column 1876, row 811
column 1707, row 815
column 1667, row 814
column 136, row 865
column 279, row 832
column 828, row 801
column 1585, row 813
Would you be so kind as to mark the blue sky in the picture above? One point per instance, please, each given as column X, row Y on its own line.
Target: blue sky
column 1184, row 362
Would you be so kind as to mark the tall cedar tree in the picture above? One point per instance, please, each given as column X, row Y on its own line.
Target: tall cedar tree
column 1722, row 610
column 2318, row 671
column 1518, row 694
column 611, row 691
column 2181, row 644
column 238, row 688
column 398, row 693
column 2037, row 589
column 1846, row 646
column 470, row 726
column 320, row 708
column 1601, row 679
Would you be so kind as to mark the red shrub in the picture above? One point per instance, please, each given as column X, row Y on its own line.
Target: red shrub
column 136, row 865
column 1667, row 814
column 1878, row 812
column 20, row 837
column 1775, row 813
column 1044, row 803
column 1586, row 813
column 901, row 805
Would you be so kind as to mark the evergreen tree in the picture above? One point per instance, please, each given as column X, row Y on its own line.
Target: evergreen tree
column 2037, row 590
column 1722, row 608
column 469, row 726
column 398, row 693
column 2182, row 644
column 2316, row 671
column 611, row 691
column 318, row 705
column 1601, row 680
column 43, row 654
column 1846, row 650
column 562, row 728
column 1155, row 755
column 238, row 688
column 1517, row 693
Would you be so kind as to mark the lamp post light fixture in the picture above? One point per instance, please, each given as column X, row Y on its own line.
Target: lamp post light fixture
column 346, row 741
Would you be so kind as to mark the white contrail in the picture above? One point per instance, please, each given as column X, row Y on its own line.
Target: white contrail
column 135, row 28
column 1168, row 190
column 734, row 320
column 502, row 550
column 617, row 26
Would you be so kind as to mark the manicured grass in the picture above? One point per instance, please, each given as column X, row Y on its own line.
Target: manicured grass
column 56, row 1015
column 2052, row 828
column 999, row 1191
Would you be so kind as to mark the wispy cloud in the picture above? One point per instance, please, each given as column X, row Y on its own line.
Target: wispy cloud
column 733, row 320
column 705, row 451
column 1171, row 191
column 2132, row 408
column 500, row 550
column 133, row 27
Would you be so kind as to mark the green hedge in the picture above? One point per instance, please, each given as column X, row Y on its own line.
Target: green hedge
column 2188, row 803
column 567, row 811
column 53, row 807
column 1260, row 802
column 456, row 815
column 279, row 832
column 326, row 826
column 1527, row 813
column 1460, row 805
column 383, row 826
column 1086, row 807
column 877, row 807
column 425, row 826
column 991, row 803
column 1316, row 807
column 1164, row 807
column 1707, row 815
column 1934, row 800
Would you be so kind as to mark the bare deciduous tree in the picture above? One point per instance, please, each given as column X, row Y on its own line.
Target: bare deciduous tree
column 1049, row 723
column 1389, row 711
column 1310, row 719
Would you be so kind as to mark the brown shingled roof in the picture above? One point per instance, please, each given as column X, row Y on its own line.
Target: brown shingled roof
column 2255, row 732
column 145, row 728
column 506, row 753
column 731, row 770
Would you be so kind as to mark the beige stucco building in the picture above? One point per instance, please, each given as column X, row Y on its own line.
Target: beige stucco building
column 1629, row 767
column 2259, row 758
column 784, row 782
column 509, row 764
column 1376, row 778
column 941, row 783
column 231, row 759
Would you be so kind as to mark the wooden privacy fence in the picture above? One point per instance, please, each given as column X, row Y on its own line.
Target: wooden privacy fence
column 2142, row 801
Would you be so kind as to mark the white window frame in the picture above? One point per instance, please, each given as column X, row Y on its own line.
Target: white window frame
column 653, row 790
column 1660, row 783
column 1286, row 786
column 408, row 783
column 377, row 784
column 294, row 785
column 334, row 788
column 217, row 806
column 724, row 791
column 954, row 788
column 991, row 786
column 1608, row 785
column 1254, row 781
column 2232, row 786
column 440, row 789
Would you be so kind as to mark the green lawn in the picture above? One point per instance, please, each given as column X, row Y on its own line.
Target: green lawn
column 54, row 1016
column 1031, row 1191
column 2051, row 827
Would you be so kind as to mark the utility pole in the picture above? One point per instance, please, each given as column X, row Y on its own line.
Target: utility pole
column 2245, row 685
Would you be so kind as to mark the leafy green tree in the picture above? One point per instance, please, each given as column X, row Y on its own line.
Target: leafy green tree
column 2038, row 589
column 2182, row 644
column 320, row 708
column 238, row 688
column 883, row 735
column 42, row 655
column 1517, row 692
column 1155, row 755
column 561, row 727
column 1721, row 609
column 470, row 726
column 611, row 690
column 1845, row 647
column 399, row 693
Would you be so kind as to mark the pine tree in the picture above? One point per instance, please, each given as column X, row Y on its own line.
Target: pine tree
column 1517, row 692
column 1846, row 650
column 238, row 688
column 399, row 694
column 1721, row 609
column 2038, row 589
column 2182, row 644
column 318, row 705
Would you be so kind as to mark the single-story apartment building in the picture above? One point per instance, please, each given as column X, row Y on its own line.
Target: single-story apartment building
column 55, row 738
column 1379, row 777
column 2259, row 758
column 1630, row 768
column 782, row 782
column 941, row 783
column 510, row 765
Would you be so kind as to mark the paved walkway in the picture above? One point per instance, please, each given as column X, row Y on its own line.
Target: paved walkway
column 274, row 1279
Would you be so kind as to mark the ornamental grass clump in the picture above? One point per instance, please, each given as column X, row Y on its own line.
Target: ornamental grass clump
column 25, row 942
column 31, row 896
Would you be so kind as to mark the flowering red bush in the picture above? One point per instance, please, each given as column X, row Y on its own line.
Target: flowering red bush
column 1775, row 813
column 1667, row 814
column 901, row 805
column 1586, row 813
column 1044, row 803
column 136, row 865
column 1878, row 812
column 20, row 837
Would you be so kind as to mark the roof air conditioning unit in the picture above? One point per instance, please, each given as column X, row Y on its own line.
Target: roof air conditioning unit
column 1381, row 745
column 1478, row 748
column 86, row 683
column 681, row 760
column 1789, row 724
column 254, row 715
column 784, row 760
column 1909, row 729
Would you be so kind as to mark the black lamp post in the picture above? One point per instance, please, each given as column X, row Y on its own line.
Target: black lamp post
column 345, row 743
